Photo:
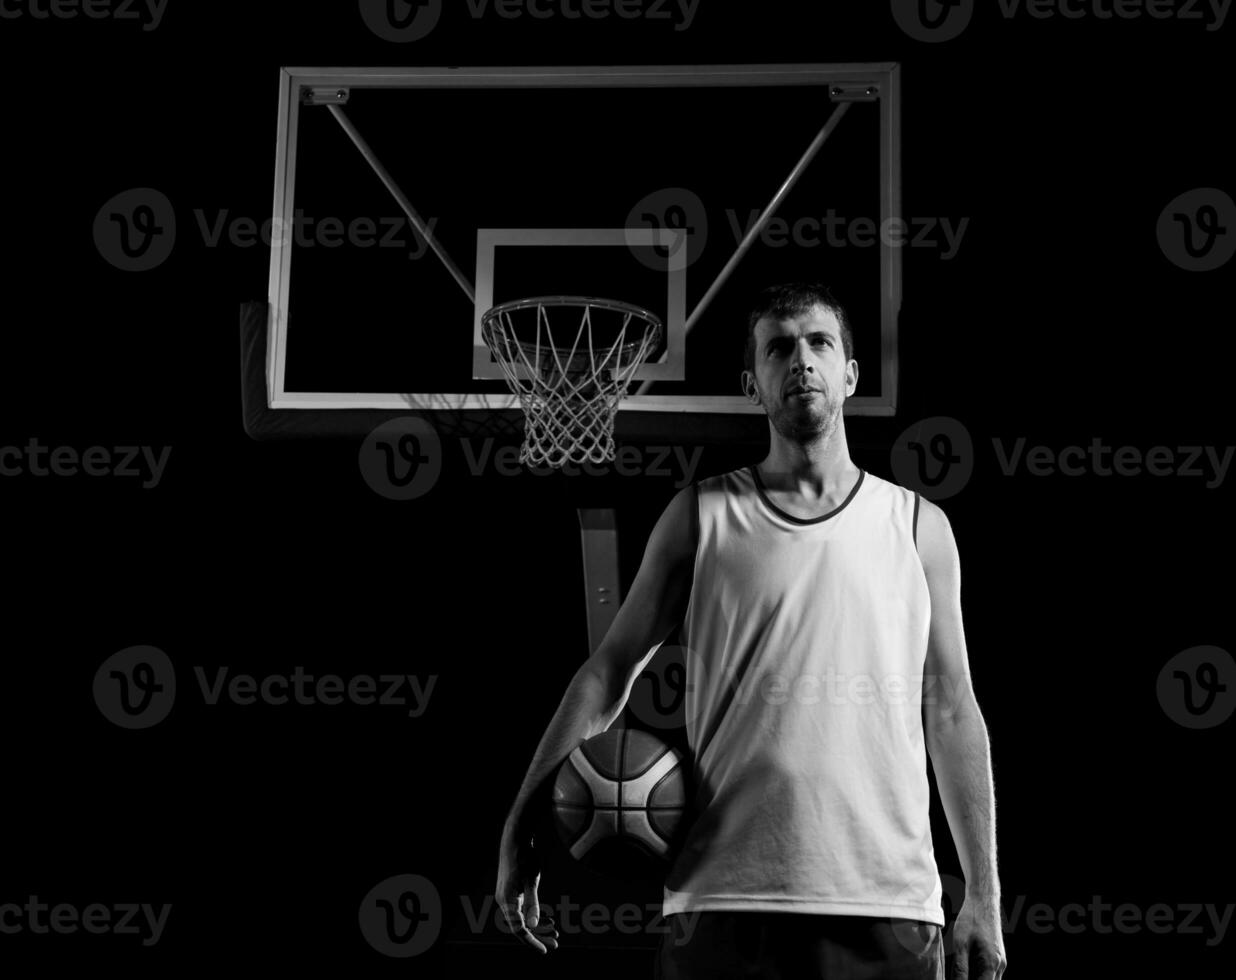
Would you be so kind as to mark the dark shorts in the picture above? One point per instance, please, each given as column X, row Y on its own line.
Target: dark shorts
column 776, row 945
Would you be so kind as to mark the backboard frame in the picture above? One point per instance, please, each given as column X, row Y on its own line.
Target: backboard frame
column 293, row 81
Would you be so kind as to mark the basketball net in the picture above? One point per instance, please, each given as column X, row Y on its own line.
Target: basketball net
column 569, row 394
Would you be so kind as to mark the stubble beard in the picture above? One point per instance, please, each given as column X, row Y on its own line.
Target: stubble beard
column 809, row 422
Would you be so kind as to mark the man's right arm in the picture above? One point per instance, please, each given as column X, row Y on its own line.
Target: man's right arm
column 599, row 690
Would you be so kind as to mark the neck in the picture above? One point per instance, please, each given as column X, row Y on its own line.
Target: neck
column 815, row 468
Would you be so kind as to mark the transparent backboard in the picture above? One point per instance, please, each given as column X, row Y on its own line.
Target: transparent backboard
column 408, row 201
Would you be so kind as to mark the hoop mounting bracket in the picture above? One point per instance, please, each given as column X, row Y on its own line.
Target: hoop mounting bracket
column 310, row 95
column 854, row 92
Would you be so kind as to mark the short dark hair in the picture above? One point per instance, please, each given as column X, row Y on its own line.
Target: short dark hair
column 793, row 299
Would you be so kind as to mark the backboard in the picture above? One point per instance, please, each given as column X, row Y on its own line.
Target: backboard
column 408, row 201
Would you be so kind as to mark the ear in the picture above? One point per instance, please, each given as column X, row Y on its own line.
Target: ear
column 749, row 388
column 851, row 377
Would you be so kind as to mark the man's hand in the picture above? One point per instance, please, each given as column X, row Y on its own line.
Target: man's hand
column 519, row 874
column 978, row 943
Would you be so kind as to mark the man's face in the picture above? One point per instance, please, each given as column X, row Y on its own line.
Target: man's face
column 801, row 375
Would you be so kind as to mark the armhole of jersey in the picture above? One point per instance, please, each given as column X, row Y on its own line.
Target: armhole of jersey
column 914, row 523
column 682, row 637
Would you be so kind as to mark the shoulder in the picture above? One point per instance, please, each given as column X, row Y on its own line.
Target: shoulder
column 890, row 498
column 742, row 475
column 932, row 532
column 675, row 535
column 708, row 490
column 934, row 536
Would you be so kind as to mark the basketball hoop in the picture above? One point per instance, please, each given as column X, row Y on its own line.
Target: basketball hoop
column 570, row 395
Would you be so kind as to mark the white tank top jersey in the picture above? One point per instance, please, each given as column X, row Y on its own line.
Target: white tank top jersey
column 804, row 648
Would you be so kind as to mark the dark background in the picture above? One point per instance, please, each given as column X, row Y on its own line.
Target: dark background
column 1060, row 320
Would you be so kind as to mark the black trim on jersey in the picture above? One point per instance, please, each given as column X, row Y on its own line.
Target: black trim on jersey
column 914, row 526
column 759, row 486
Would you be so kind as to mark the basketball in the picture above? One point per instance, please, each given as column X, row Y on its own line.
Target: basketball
column 618, row 803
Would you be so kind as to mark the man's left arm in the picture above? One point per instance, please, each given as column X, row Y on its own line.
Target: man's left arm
column 957, row 740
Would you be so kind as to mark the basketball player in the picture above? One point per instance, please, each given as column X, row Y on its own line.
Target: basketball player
column 821, row 615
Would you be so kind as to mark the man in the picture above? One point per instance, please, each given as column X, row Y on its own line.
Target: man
column 821, row 614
